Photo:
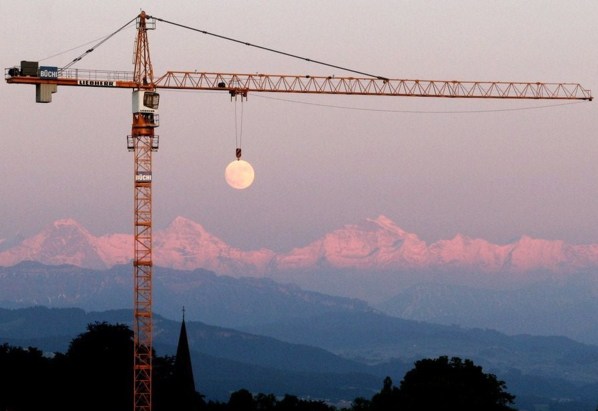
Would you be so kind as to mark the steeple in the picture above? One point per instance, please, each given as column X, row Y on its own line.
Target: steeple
column 183, row 372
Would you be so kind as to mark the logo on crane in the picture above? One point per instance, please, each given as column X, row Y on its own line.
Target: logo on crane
column 96, row 83
column 48, row 72
column 143, row 177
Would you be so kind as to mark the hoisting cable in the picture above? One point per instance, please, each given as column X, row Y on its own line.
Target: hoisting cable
column 238, row 131
column 97, row 45
column 271, row 50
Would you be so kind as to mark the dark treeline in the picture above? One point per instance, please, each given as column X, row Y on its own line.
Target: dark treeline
column 96, row 373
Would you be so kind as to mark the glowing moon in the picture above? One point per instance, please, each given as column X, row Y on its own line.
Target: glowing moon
column 239, row 174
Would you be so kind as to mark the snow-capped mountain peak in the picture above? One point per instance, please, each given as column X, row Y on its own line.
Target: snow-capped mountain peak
column 377, row 244
column 67, row 222
column 182, row 224
column 387, row 224
column 63, row 242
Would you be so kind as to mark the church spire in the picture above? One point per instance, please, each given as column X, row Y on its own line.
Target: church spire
column 183, row 371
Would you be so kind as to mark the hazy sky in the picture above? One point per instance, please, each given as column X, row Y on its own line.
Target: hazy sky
column 437, row 167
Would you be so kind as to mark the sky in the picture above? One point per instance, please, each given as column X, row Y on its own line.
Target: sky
column 492, row 169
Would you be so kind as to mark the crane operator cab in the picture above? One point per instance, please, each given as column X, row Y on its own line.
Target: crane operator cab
column 146, row 104
column 145, row 114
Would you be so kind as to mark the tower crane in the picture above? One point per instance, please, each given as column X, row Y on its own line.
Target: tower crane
column 143, row 141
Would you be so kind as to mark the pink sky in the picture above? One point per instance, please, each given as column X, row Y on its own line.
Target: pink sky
column 437, row 167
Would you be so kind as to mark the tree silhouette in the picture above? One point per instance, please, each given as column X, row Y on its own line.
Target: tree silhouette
column 98, row 369
column 24, row 371
column 265, row 402
column 387, row 398
column 241, row 400
column 455, row 384
column 361, row 404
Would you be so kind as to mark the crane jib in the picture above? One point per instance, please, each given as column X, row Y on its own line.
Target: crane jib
column 306, row 84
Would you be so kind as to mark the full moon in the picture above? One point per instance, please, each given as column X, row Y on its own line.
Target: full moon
column 239, row 174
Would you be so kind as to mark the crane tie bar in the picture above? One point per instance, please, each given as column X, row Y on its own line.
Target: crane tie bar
column 105, row 39
column 270, row 49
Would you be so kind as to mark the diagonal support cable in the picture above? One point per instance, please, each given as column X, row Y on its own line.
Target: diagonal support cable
column 269, row 49
column 105, row 39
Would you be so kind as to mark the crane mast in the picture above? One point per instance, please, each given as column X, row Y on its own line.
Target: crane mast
column 143, row 142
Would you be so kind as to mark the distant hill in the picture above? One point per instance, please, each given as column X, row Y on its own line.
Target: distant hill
column 535, row 368
column 559, row 306
column 378, row 336
column 214, row 299
column 336, row 356
column 564, row 306
column 224, row 360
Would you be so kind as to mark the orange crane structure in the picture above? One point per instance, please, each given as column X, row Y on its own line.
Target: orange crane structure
column 143, row 142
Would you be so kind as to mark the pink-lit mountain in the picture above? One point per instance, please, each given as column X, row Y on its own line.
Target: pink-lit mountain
column 372, row 245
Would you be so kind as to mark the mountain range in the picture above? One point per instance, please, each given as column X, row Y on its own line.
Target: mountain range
column 307, row 297
column 529, row 286
column 551, row 307
column 373, row 245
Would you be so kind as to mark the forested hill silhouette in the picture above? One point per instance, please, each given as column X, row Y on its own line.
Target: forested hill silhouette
column 95, row 373
column 306, row 355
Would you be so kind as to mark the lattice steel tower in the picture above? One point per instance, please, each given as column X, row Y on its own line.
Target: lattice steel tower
column 143, row 142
